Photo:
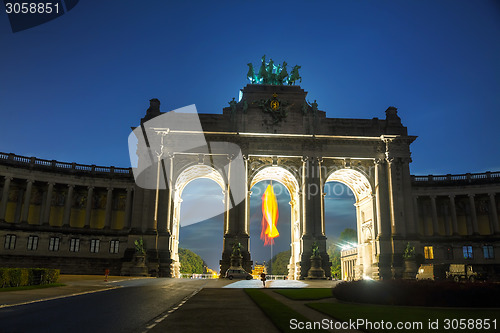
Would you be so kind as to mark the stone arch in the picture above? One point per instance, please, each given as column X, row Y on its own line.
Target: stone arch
column 186, row 176
column 285, row 177
column 365, row 217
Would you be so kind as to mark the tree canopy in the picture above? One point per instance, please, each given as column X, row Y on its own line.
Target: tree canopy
column 279, row 263
column 191, row 262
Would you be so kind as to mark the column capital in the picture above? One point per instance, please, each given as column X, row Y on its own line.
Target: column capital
column 30, row 180
column 305, row 158
column 433, row 196
column 71, row 185
column 51, row 183
column 471, row 195
column 451, row 196
column 8, row 178
column 378, row 161
column 492, row 194
column 129, row 189
column 109, row 188
column 90, row 187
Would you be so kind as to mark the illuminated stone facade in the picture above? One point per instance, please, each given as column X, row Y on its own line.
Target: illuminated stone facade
column 300, row 147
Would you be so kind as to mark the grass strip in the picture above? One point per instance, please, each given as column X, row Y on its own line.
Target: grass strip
column 279, row 313
column 411, row 316
column 37, row 286
column 305, row 293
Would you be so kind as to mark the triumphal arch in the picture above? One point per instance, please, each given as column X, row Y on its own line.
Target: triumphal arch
column 272, row 132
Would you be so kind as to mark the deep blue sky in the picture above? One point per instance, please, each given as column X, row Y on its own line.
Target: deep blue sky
column 71, row 89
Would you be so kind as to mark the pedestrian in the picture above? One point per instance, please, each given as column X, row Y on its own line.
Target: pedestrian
column 106, row 273
column 263, row 279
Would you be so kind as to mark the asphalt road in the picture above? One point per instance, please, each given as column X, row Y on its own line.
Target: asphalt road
column 126, row 309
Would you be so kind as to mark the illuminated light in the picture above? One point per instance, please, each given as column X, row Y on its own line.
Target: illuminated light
column 366, row 277
column 269, row 216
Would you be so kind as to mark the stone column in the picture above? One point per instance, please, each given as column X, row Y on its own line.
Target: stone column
column 88, row 209
column 5, row 197
column 48, row 204
column 494, row 214
column 446, row 219
column 435, row 225
column 109, row 208
column 394, row 196
column 383, row 220
column 415, row 212
column 303, row 191
column 425, row 214
column 26, row 202
column 475, row 229
column 67, row 206
column 128, row 206
column 383, row 216
column 453, row 211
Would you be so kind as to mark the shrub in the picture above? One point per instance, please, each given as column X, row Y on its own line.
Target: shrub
column 4, row 278
column 16, row 277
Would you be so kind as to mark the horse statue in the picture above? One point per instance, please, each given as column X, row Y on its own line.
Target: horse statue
column 251, row 74
column 263, row 78
column 294, row 76
column 270, row 72
column 282, row 74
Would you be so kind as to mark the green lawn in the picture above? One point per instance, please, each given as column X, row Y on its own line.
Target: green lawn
column 306, row 293
column 409, row 316
column 38, row 286
column 279, row 313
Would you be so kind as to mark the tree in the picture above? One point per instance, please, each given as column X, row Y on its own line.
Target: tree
column 348, row 235
column 191, row 262
column 280, row 263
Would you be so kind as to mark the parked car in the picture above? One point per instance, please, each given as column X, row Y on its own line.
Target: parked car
column 238, row 274
column 459, row 272
column 432, row 272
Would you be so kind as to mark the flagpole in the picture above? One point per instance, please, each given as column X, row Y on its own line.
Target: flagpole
column 272, row 241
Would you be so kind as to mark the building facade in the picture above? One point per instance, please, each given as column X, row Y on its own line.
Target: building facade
column 84, row 219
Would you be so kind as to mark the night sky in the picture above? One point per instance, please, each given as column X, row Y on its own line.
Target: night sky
column 71, row 89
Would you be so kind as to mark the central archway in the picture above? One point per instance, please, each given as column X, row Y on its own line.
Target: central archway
column 287, row 179
column 362, row 189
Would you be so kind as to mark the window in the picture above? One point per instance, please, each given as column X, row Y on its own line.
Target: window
column 468, row 252
column 10, row 242
column 449, row 253
column 54, row 243
column 428, row 252
column 488, row 252
column 94, row 245
column 74, row 244
column 32, row 243
column 114, row 245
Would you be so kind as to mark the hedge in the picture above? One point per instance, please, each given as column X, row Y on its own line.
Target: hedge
column 17, row 277
column 420, row 293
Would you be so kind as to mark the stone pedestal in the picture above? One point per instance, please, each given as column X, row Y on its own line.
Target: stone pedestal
column 139, row 267
column 410, row 269
column 316, row 272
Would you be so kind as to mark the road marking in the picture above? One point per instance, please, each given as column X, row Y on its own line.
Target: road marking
column 160, row 319
column 58, row 297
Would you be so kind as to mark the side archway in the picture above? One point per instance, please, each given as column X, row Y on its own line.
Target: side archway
column 183, row 179
column 365, row 219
